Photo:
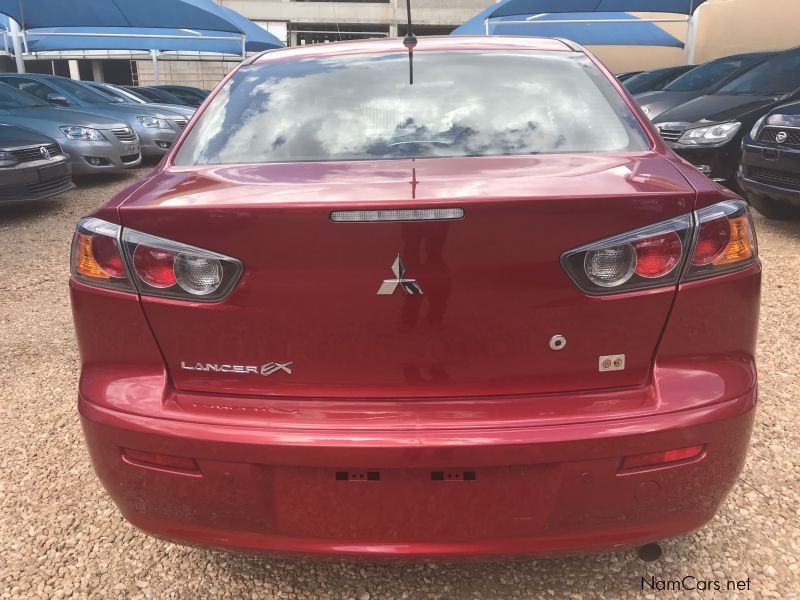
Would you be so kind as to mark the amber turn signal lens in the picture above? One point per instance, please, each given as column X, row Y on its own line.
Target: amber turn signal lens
column 86, row 264
column 740, row 246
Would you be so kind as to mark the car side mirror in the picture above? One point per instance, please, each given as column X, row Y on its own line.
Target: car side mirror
column 57, row 99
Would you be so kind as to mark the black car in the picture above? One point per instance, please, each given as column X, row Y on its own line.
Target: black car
column 770, row 173
column 155, row 95
column 708, row 130
column 32, row 166
column 190, row 95
column 702, row 80
column 650, row 81
column 627, row 75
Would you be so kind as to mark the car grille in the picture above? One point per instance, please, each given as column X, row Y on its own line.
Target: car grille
column 670, row 135
column 773, row 176
column 35, row 152
column 181, row 123
column 124, row 135
column 770, row 134
column 20, row 192
column 51, row 185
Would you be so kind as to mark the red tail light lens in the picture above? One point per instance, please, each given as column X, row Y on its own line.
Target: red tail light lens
column 152, row 265
column 96, row 257
column 712, row 239
column 155, row 266
column 659, row 255
column 726, row 240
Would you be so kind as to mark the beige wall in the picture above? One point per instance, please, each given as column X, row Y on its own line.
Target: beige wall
column 725, row 27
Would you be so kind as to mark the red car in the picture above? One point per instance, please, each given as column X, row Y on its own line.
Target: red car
column 485, row 313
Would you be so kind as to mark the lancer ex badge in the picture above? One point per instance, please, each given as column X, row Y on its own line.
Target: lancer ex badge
column 410, row 286
column 266, row 369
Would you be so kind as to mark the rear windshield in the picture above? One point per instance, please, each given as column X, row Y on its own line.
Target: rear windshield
column 460, row 104
column 777, row 76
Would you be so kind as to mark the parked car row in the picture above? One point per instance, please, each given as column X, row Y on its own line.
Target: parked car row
column 738, row 121
column 53, row 127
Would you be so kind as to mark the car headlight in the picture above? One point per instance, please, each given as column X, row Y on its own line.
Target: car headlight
column 87, row 134
column 757, row 127
column 713, row 135
column 7, row 159
column 154, row 122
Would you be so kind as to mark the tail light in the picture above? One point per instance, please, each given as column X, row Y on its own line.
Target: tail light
column 648, row 257
column 106, row 255
column 96, row 257
column 726, row 240
column 714, row 240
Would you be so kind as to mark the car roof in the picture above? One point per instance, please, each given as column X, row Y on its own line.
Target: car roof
column 427, row 43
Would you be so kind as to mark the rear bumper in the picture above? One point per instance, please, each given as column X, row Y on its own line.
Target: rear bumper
column 528, row 491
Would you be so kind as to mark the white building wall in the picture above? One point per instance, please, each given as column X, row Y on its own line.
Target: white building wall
column 424, row 12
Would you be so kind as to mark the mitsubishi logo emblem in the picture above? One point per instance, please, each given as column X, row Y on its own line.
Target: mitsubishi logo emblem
column 410, row 286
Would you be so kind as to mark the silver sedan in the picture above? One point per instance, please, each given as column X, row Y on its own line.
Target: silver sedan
column 156, row 128
column 95, row 144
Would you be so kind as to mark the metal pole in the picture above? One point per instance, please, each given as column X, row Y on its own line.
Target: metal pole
column 14, row 30
column 486, row 23
column 691, row 37
column 154, row 57
column 244, row 46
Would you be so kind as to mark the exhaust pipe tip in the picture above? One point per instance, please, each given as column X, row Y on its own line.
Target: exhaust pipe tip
column 650, row 552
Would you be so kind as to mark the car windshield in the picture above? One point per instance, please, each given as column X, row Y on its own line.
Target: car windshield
column 777, row 76
column 12, row 98
column 707, row 75
column 460, row 104
column 120, row 95
column 648, row 81
column 83, row 92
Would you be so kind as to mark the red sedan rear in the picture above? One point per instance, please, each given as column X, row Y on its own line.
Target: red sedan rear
column 484, row 313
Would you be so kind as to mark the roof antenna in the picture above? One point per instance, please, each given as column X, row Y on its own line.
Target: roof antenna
column 410, row 42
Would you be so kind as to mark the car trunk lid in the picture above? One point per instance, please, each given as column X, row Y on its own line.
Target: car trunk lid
column 307, row 313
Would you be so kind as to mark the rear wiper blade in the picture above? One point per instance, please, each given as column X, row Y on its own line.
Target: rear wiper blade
column 440, row 142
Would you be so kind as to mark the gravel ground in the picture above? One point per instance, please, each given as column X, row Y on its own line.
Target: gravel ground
column 60, row 535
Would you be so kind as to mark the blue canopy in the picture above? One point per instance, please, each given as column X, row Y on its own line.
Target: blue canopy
column 169, row 14
column 633, row 32
column 151, row 38
column 517, row 8
column 120, row 38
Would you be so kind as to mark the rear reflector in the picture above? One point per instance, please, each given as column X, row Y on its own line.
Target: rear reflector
column 661, row 458
column 161, row 461
column 372, row 216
